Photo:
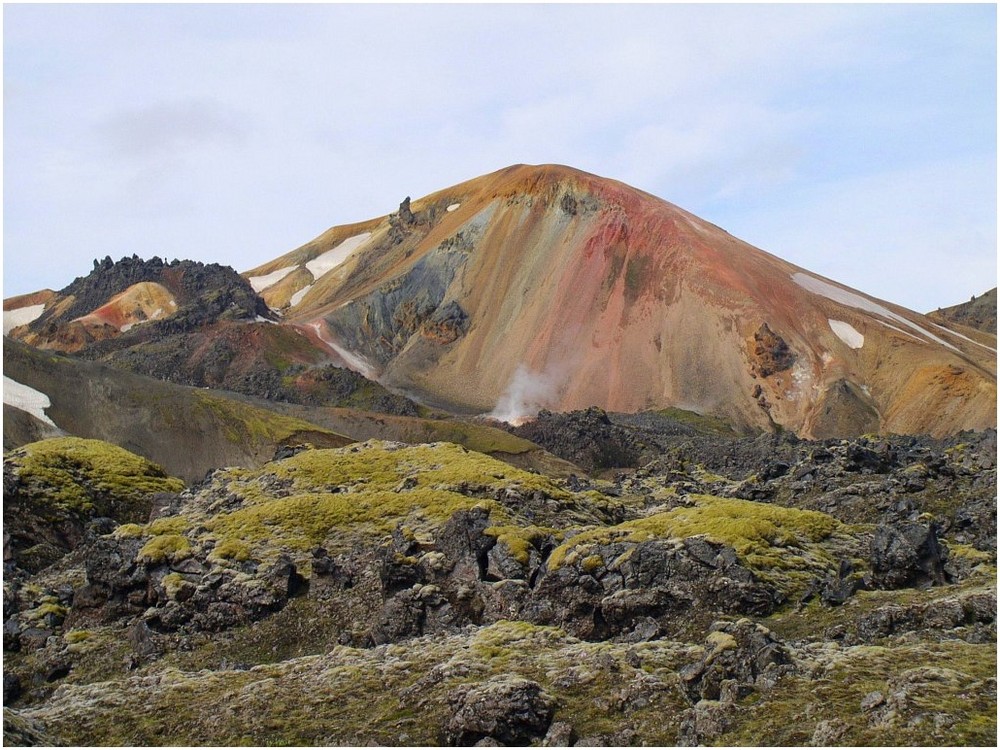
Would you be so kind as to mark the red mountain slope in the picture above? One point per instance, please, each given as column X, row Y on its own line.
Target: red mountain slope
column 548, row 287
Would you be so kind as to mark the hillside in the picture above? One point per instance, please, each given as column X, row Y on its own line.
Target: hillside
column 425, row 594
column 979, row 313
column 546, row 287
column 535, row 287
column 188, row 431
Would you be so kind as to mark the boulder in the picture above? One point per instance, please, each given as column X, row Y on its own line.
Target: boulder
column 509, row 710
column 907, row 554
column 739, row 657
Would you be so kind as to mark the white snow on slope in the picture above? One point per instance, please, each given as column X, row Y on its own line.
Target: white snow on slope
column 844, row 297
column 453, row 207
column 21, row 316
column 297, row 297
column 333, row 258
column 847, row 333
column 260, row 283
column 27, row 399
column 971, row 341
column 352, row 360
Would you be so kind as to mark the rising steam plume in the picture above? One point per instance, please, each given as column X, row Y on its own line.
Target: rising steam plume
column 528, row 393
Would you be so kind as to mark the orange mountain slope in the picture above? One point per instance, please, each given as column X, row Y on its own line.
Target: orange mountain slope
column 546, row 287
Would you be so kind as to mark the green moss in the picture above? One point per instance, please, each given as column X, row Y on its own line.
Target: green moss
column 782, row 545
column 752, row 529
column 230, row 549
column 172, row 583
column 592, row 563
column 50, row 608
column 248, row 425
column 929, row 680
column 305, row 520
column 88, row 476
column 520, row 540
column 168, row 525
column 77, row 636
column 720, row 641
column 165, row 547
column 970, row 554
column 129, row 530
column 372, row 489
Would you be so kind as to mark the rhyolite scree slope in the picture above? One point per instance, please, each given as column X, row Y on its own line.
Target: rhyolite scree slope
column 546, row 286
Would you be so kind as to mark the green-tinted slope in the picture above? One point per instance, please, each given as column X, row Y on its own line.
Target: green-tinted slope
column 188, row 431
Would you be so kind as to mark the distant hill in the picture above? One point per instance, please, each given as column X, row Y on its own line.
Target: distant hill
column 979, row 312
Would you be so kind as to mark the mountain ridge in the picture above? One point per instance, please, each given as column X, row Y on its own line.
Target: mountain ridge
column 547, row 287
column 614, row 259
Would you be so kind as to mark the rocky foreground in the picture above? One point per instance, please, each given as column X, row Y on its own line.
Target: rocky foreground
column 728, row 591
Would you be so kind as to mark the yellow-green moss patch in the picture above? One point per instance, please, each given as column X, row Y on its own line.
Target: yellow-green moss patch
column 520, row 540
column 165, row 547
column 70, row 473
column 780, row 544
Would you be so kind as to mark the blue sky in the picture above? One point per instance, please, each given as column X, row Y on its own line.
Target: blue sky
column 858, row 141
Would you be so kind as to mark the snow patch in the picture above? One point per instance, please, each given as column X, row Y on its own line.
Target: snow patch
column 333, row 258
column 27, row 399
column 126, row 327
column 20, row 317
column 845, row 297
column 847, row 333
column 966, row 338
column 260, row 283
column 262, row 319
column 299, row 295
column 352, row 360
column 453, row 207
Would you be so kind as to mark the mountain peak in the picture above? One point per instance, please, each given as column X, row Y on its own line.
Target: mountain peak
column 544, row 286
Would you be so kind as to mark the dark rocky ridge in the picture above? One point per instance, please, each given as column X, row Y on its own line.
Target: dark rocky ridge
column 979, row 312
column 216, row 339
column 205, row 292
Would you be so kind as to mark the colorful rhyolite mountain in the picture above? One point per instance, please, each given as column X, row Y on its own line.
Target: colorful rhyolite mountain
column 543, row 286
column 546, row 287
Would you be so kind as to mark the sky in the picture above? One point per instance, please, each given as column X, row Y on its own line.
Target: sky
column 857, row 141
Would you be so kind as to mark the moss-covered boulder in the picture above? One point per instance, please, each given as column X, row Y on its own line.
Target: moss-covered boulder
column 53, row 489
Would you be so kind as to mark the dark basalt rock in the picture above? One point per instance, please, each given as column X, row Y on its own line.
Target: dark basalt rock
column 11, row 688
column 205, row 293
column 587, row 438
column 508, row 710
column 740, row 657
column 907, row 554
column 771, row 354
column 640, row 590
